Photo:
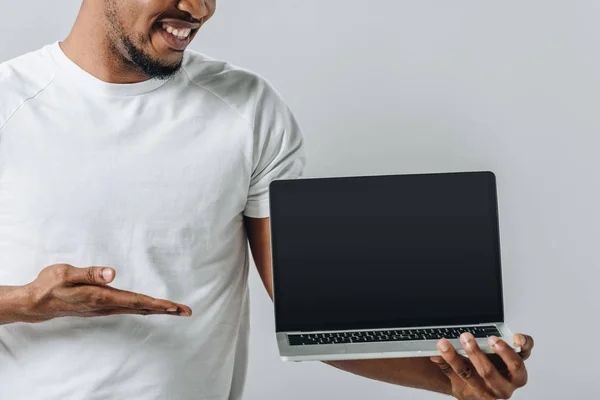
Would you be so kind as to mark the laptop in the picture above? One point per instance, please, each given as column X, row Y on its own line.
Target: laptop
column 371, row 267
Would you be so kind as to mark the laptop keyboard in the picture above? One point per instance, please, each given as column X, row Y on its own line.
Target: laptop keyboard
column 399, row 335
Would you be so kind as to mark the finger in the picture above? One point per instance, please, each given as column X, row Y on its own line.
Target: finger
column 499, row 385
column 514, row 363
column 131, row 311
column 526, row 344
column 97, row 297
column 498, row 363
column 461, row 367
column 127, row 299
column 457, row 383
column 90, row 275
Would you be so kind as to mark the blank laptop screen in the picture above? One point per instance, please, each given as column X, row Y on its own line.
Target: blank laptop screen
column 385, row 251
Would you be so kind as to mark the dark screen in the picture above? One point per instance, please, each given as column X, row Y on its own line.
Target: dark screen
column 385, row 251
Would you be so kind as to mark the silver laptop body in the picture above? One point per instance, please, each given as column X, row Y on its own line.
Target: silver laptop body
column 384, row 266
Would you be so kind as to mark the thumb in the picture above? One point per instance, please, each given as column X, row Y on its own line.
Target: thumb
column 91, row 275
column 108, row 274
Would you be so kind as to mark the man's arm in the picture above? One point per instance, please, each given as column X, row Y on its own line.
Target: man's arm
column 12, row 300
column 418, row 373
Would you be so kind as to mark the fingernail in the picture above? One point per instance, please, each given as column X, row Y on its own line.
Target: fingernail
column 186, row 314
column 493, row 340
column 465, row 340
column 107, row 274
column 172, row 309
column 444, row 345
column 522, row 339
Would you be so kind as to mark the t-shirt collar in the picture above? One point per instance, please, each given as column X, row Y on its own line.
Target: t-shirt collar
column 77, row 74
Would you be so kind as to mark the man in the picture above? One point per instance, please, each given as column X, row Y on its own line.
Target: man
column 125, row 158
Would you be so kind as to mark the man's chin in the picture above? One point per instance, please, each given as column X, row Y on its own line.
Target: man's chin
column 160, row 68
column 161, row 71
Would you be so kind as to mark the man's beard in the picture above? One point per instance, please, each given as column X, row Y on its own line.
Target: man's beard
column 135, row 56
column 145, row 63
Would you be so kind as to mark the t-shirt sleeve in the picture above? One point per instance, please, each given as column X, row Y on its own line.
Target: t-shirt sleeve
column 278, row 151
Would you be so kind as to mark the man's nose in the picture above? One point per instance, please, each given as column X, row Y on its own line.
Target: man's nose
column 198, row 9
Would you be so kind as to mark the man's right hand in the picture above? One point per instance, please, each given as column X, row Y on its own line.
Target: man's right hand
column 63, row 290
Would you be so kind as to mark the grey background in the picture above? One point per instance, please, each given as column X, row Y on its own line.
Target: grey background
column 423, row 86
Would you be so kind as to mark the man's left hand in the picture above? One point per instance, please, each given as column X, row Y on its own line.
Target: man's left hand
column 483, row 376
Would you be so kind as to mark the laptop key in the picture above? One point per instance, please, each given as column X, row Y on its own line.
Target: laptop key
column 295, row 340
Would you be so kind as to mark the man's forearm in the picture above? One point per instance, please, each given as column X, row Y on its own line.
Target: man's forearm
column 419, row 373
column 12, row 301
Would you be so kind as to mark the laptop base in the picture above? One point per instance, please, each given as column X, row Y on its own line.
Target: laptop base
column 377, row 350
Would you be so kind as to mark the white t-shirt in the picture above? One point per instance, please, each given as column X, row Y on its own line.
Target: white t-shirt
column 153, row 179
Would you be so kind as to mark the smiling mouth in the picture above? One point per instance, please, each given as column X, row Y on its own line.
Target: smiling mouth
column 176, row 33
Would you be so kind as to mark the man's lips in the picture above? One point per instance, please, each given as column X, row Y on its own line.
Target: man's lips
column 175, row 42
column 176, row 32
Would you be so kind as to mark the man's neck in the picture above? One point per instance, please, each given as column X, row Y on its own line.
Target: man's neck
column 89, row 47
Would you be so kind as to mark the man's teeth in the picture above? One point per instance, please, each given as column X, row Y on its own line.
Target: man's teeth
column 178, row 33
